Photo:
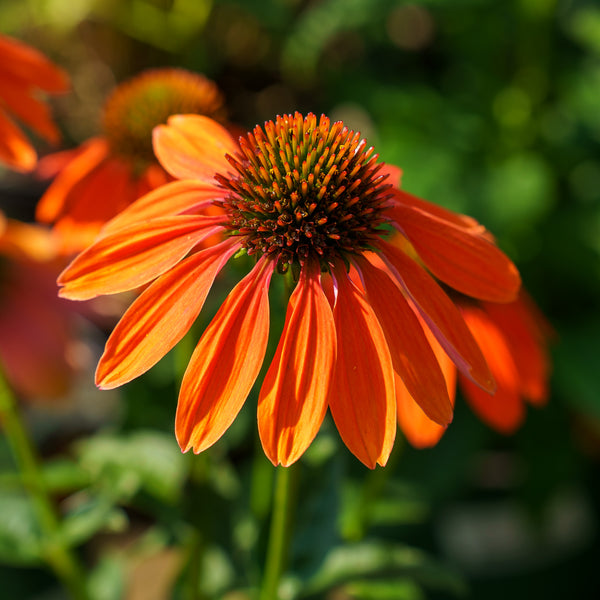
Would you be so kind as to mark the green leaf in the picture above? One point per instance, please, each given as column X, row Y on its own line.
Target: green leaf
column 20, row 538
column 148, row 461
column 352, row 563
column 89, row 517
column 395, row 589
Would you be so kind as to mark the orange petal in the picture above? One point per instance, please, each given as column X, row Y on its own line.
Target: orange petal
column 440, row 314
column 412, row 356
column 404, row 199
column 134, row 256
column 418, row 428
column 29, row 110
column 27, row 64
column 171, row 199
column 362, row 399
column 526, row 338
column 15, row 149
column 54, row 200
column 504, row 410
column 160, row 316
column 225, row 363
column 466, row 261
column 193, row 147
column 293, row 399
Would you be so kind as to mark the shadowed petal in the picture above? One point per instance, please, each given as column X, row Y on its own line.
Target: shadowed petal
column 15, row 149
column 418, row 428
column 193, row 147
column 173, row 198
column 28, row 65
column 225, row 363
column 293, row 399
column 134, row 256
column 30, row 110
column 440, row 314
column 504, row 410
column 54, row 201
column 362, row 399
column 466, row 261
column 412, row 356
column 525, row 332
column 160, row 316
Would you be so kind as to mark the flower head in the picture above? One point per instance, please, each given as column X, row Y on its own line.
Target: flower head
column 97, row 180
column 23, row 73
column 307, row 198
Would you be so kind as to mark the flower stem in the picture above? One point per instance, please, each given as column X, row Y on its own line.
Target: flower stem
column 61, row 560
column 279, row 535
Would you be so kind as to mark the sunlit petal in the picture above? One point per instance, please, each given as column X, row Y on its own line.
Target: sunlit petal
column 440, row 314
column 193, row 147
column 134, row 256
column 160, row 316
column 362, row 398
column 293, row 398
column 177, row 197
column 412, row 356
column 226, row 362
column 466, row 261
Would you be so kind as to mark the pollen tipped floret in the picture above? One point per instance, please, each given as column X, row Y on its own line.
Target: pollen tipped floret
column 139, row 104
column 305, row 188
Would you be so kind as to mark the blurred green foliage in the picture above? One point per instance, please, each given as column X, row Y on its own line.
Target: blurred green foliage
column 491, row 107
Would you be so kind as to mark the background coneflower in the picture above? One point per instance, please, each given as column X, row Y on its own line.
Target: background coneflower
column 97, row 180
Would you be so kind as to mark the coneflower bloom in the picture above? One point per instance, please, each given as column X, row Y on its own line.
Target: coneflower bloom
column 308, row 200
column 24, row 73
column 514, row 340
column 97, row 180
column 36, row 327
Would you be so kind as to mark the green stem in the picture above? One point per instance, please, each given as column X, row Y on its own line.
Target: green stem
column 279, row 535
column 62, row 561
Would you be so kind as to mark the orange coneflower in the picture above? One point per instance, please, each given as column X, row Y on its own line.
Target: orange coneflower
column 513, row 338
column 23, row 73
column 306, row 199
column 35, row 325
column 106, row 173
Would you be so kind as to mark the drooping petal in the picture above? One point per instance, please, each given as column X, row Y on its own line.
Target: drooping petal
column 504, row 410
column 225, row 363
column 134, row 256
column 440, row 314
column 28, row 109
column 412, row 356
column 418, row 428
column 526, row 335
column 172, row 198
column 293, row 399
column 15, row 149
column 361, row 398
column 404, row 199
column 193, row 147
column 464, row 260
column 92, row 201
column 30, row 66
column 160, row 316
column 56, row 197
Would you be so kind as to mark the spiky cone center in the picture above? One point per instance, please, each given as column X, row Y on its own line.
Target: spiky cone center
column 136, row 106
column 305, row 188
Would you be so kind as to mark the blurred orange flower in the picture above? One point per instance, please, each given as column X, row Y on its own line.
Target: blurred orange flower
column 97, row 180
column 23, row 73
column 35, row 325
column 307, row 199
column 513, row 338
